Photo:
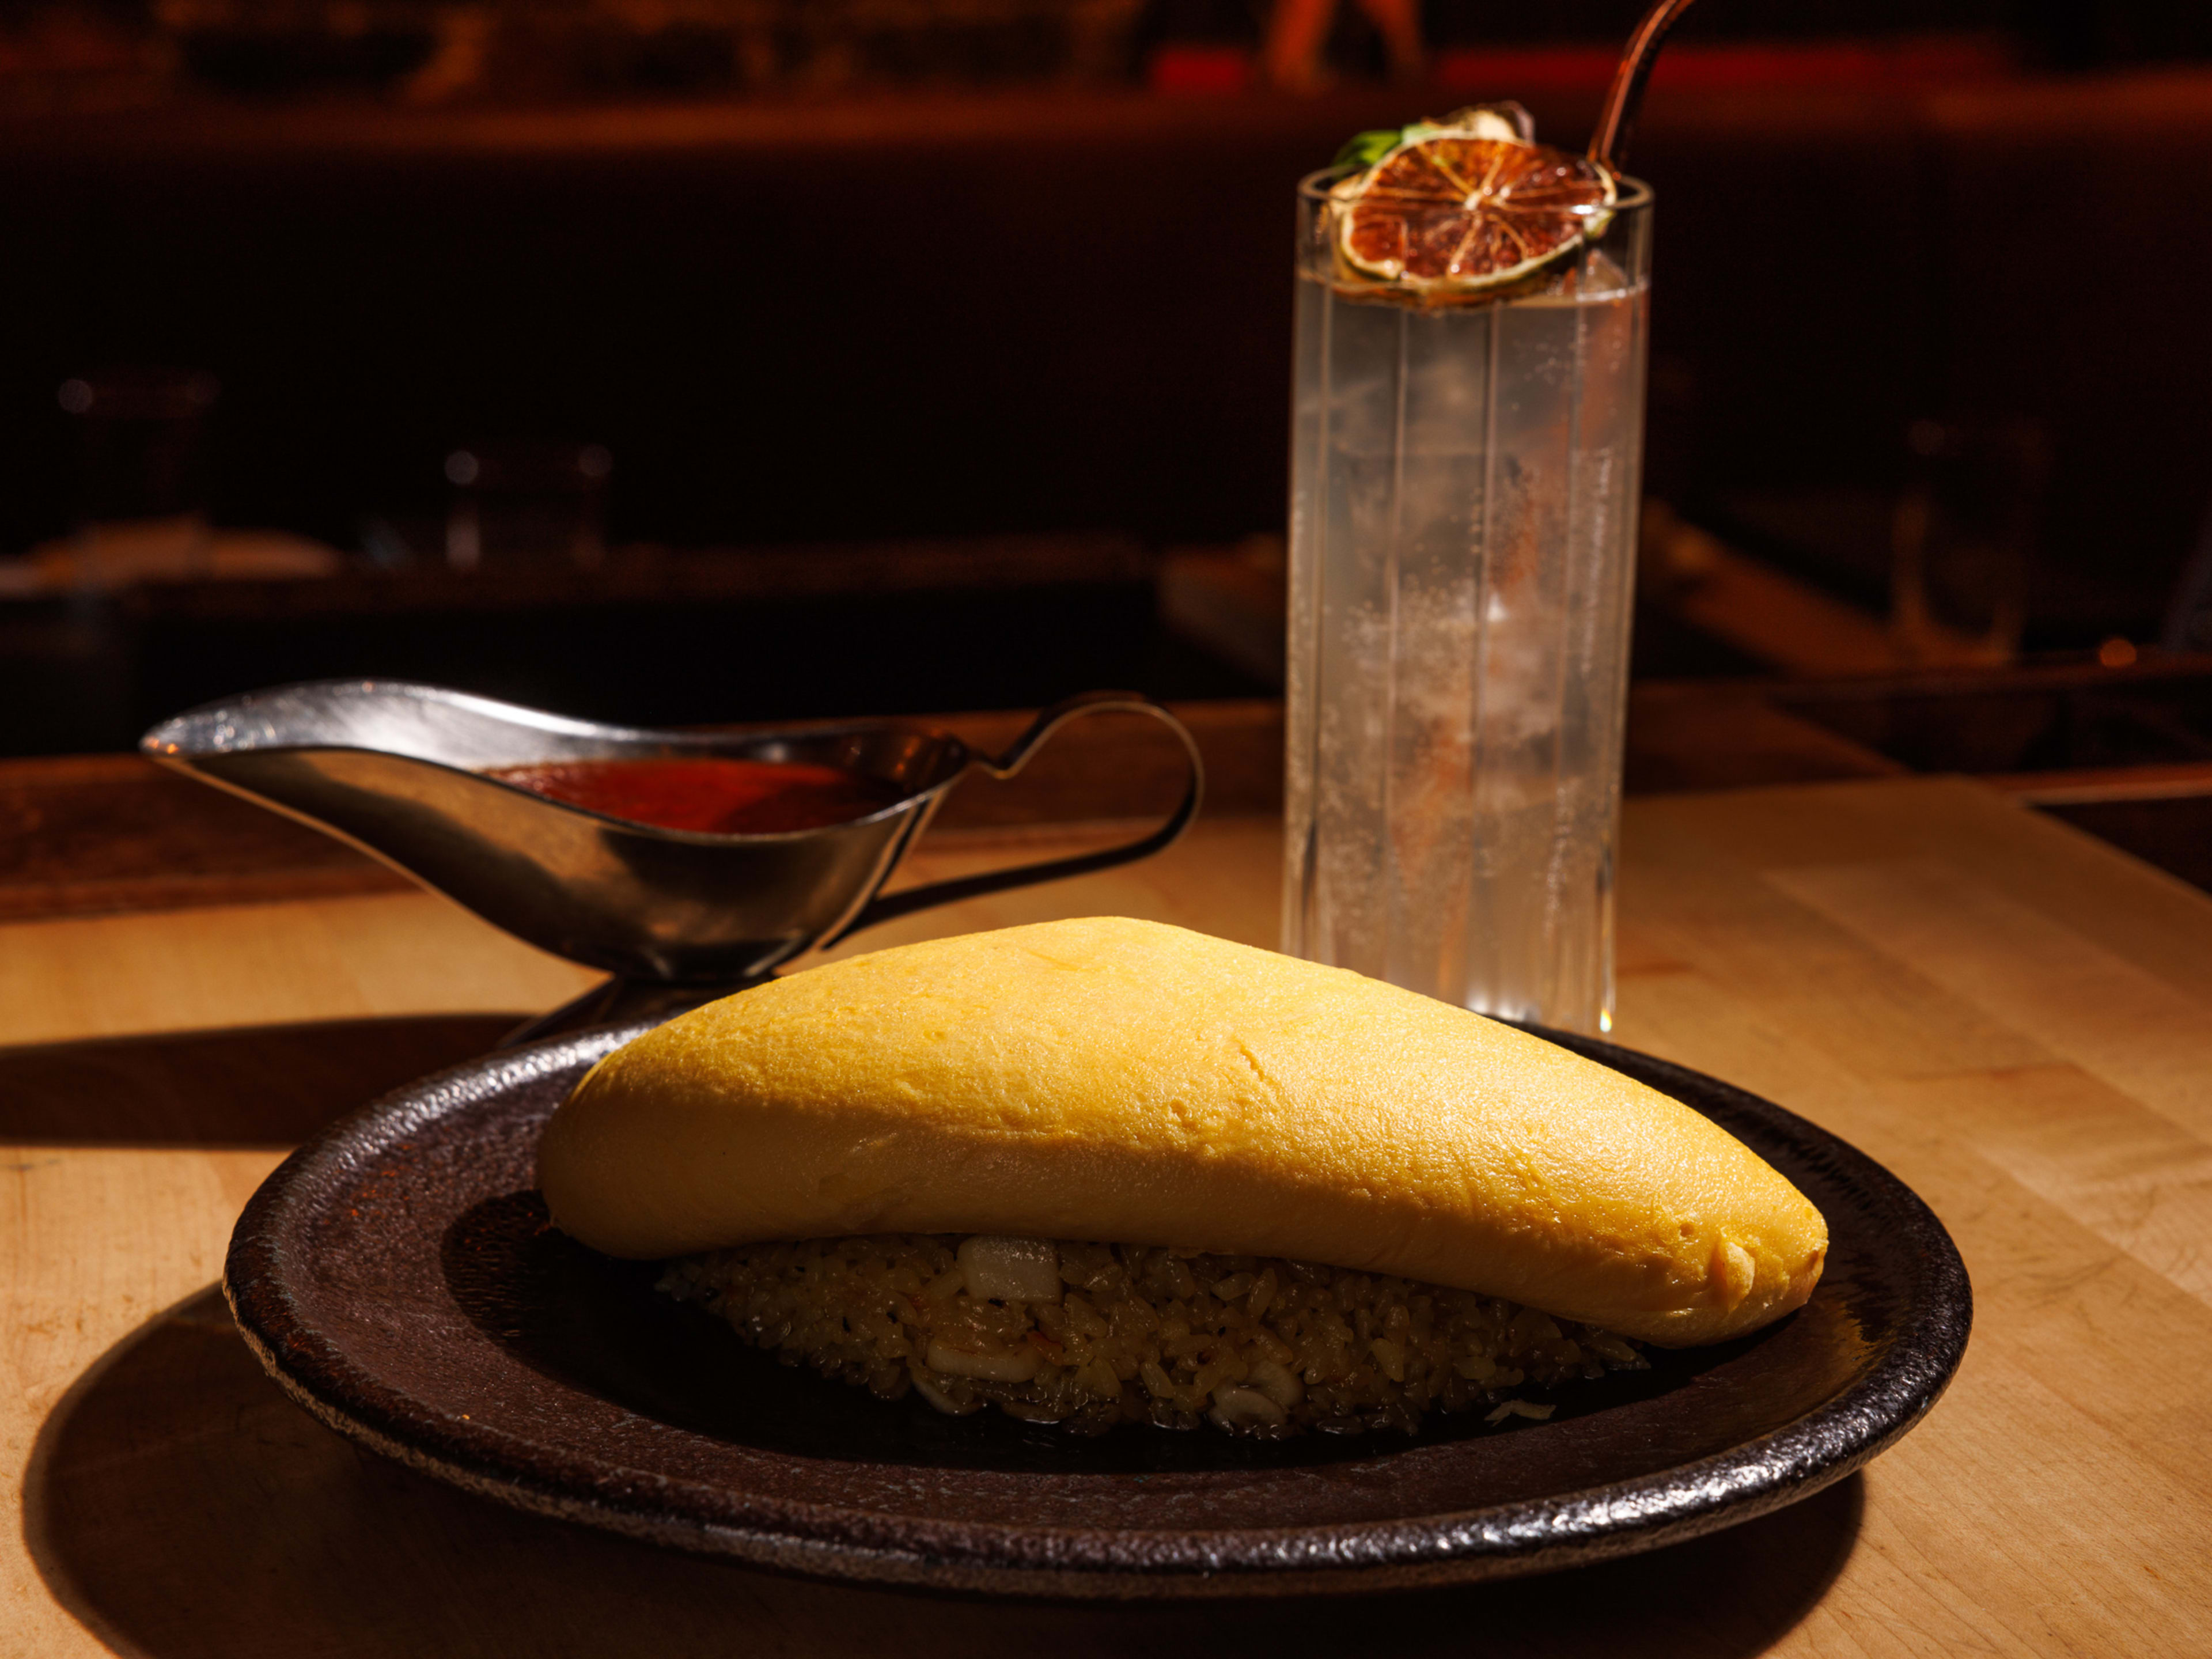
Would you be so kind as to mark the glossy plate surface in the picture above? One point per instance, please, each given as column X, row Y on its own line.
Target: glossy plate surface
column 397, row 1277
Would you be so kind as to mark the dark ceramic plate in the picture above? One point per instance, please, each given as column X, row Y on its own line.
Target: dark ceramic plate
column 397, row 1277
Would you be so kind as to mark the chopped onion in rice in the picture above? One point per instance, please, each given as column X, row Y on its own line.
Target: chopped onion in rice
column 1011, row 1269
column 1016, row 1367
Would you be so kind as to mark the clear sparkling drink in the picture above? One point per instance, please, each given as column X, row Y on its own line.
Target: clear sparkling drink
column 1464, row 500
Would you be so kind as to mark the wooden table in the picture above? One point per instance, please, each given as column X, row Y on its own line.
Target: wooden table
column 2014, row 1017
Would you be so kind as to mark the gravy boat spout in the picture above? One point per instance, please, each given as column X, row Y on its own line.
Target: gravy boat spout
column 400, row 770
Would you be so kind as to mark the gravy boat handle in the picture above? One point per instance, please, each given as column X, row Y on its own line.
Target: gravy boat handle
column 883, row 907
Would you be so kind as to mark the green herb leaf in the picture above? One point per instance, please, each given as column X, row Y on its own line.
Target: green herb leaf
column 1364, row 149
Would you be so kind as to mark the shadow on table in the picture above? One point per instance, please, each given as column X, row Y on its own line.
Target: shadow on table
column 261, row 1086
column 177, row 1504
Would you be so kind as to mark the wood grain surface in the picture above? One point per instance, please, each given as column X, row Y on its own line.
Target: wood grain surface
column 2014, row 1017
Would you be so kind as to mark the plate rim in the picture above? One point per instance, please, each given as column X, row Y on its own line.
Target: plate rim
column 1754, row 1477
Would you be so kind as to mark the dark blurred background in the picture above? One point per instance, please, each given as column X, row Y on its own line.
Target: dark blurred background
column 698, row 360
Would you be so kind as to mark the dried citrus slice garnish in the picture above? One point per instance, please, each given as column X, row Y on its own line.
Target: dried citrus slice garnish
column 1454, row 210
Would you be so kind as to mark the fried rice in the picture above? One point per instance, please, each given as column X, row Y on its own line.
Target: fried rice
column 1090, row 1335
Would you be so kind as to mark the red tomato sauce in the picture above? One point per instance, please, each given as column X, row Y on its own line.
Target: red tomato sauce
column 709, row 794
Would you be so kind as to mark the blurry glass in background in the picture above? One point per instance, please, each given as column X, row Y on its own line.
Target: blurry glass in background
column 520, row 505
column 1310, row 42
column 143, row 459
column 1963, row 538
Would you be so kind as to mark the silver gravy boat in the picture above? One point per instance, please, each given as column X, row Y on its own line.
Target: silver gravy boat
column 676, row 916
